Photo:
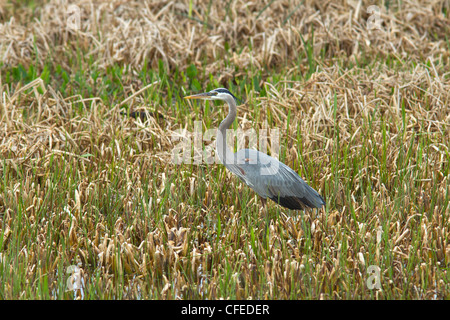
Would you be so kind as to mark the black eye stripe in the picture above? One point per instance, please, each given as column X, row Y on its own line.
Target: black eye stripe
column 223, row 90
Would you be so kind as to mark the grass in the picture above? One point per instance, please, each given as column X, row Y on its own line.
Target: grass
column 363, row 117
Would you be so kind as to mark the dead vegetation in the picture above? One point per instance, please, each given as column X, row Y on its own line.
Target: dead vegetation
column 263, row 33
column 96, row 189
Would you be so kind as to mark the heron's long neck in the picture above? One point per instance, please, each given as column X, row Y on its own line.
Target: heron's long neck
column 225, row 154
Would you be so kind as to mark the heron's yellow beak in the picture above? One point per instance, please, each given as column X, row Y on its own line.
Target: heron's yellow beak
column 205, row 95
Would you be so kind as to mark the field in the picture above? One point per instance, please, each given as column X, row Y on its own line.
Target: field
column 93, row 205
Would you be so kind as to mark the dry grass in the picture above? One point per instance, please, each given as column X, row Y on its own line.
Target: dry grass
column 134, row 32
column 364, row 117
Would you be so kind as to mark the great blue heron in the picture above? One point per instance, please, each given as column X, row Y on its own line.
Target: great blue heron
column 267, row 176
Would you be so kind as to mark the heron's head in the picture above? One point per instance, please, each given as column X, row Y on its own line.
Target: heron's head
column 216, row 94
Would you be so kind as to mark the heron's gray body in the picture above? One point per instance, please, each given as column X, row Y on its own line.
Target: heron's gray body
column 272, row 179
column 267, row 176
